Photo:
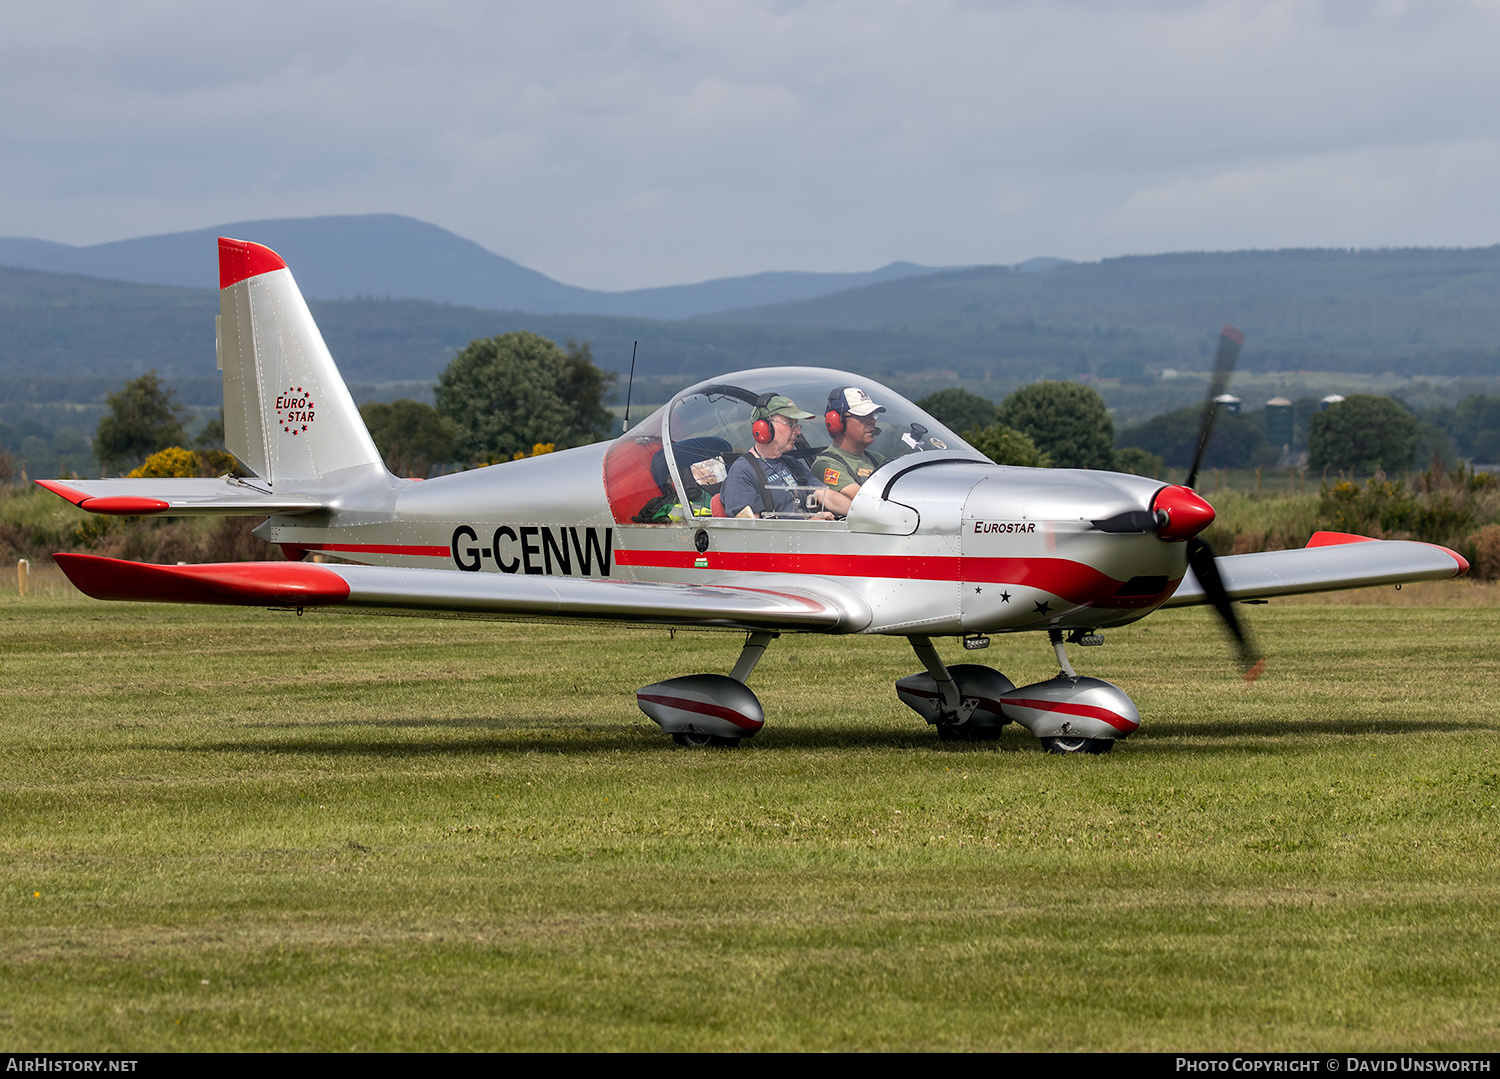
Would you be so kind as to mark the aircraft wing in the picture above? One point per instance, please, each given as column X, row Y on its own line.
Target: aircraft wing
column 804, row 604
column 1330, row 561
column 223, row 496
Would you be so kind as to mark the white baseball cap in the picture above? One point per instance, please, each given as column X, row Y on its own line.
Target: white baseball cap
column 856, row 401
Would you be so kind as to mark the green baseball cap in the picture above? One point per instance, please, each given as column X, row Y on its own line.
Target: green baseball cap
column 781, row 406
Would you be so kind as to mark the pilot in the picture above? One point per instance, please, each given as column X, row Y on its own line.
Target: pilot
column 766, row 481
column 847, row 462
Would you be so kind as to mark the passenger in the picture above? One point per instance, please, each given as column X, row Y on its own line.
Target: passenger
column 851, row 419
column 766, row 482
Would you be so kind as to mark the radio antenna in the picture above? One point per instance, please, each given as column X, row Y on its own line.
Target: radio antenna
column 628, row 386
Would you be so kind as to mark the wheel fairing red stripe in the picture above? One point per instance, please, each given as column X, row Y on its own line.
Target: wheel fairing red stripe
column 250, row 584
column 1071, row 580
column 718, row 711
column 1068, row 708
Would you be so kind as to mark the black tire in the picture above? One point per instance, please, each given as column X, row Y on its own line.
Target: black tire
column 1078, row 745
column 694, row 740
column 967, row 732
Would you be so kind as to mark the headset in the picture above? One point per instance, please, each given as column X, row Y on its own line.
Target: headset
column 763, row 430
column 838, row 407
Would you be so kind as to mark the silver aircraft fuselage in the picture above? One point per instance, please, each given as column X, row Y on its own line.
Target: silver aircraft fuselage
column 934, row 543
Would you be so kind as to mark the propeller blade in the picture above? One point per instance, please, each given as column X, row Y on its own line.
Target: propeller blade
column 1201, row 559
column 1230, row 341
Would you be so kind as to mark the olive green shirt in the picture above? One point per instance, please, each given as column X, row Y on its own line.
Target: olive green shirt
column 839, row 468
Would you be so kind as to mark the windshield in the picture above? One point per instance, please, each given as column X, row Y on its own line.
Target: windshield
column 766, row 444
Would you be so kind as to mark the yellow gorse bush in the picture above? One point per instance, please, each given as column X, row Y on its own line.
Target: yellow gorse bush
column 174, row 461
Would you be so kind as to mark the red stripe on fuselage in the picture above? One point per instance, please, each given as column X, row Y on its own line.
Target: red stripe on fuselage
column 1073, row 581
column 379, row 548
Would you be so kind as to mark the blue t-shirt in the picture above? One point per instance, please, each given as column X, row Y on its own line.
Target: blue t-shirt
column 742, row 486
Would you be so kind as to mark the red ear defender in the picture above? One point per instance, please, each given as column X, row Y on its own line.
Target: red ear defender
column 762, row 431
column 834, row 421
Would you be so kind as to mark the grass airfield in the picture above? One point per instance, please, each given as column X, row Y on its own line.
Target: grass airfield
column 240, row 830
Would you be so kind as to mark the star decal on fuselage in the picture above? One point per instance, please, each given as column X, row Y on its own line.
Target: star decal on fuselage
column 1004, row 597
column 1043, row 607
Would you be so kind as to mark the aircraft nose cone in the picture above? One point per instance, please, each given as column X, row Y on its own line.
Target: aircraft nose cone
column 1187, row 513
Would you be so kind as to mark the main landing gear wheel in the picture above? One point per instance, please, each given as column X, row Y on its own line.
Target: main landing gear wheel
column 694, row 740
column 1078, row 745
column 967, row 732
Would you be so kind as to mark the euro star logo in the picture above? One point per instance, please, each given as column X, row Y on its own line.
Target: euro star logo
column 294, row 410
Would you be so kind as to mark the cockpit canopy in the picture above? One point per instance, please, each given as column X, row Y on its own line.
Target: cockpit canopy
column 708, row 427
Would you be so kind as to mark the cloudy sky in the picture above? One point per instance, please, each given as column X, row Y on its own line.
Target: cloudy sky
column 621, row 144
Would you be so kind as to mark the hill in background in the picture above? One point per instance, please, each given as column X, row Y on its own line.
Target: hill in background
column 1315, row 322
column 1411, row 311
column 391, row 256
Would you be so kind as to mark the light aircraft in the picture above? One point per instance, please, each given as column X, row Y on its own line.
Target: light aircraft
column 937, row 541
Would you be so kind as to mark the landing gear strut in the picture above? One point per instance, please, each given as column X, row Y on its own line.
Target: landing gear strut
column 962, row 701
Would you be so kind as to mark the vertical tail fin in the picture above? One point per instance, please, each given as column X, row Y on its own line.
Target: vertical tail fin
column 287, row 414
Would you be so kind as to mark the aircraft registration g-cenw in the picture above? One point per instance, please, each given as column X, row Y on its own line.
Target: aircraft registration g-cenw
column 937, row 540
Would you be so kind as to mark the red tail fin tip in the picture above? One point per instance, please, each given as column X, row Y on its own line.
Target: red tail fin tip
column 241, row 259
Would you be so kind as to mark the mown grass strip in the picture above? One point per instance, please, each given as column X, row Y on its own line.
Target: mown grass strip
column 239, row 829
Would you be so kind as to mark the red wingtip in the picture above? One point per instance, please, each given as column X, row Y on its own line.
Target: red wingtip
column 1230, row 332
column 1463, row 563
column 247, row 584
column 241, row 259
column 62, row 490
column 115, row 505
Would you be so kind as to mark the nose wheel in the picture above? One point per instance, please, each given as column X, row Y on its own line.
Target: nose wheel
column 969, row 702
column 697, row 740
column 1077, row 745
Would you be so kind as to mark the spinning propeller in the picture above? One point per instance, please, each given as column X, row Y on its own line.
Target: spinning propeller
column 1200, row 555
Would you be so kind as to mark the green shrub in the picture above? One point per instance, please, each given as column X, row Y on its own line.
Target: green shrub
column 1007, row 446
column 1438, row 506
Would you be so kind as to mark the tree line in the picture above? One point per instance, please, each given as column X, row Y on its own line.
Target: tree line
column 520, row 393
column 499, row 399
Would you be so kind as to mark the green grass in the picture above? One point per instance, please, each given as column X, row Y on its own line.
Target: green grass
column 253, row 831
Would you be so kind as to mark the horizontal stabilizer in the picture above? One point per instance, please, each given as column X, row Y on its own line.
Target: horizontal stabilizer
column 258, row 584
column 811, row 605
column 1334, row 561
column 177, row 498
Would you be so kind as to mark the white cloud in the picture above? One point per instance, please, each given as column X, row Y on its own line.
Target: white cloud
column 626, row 144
